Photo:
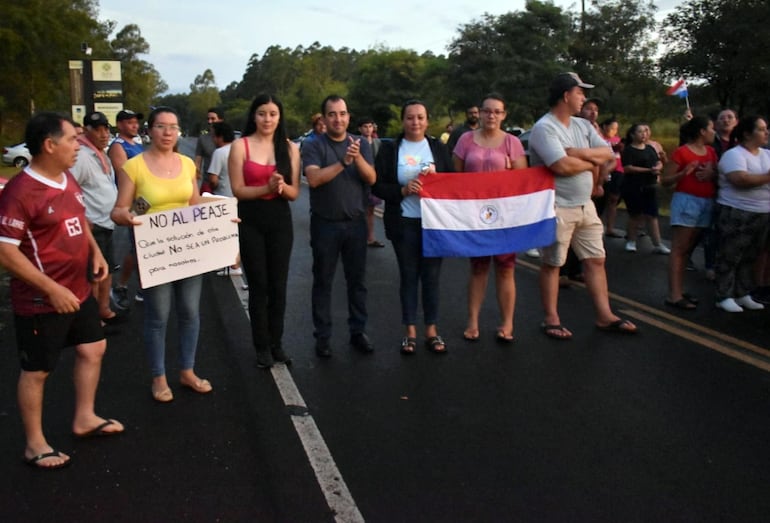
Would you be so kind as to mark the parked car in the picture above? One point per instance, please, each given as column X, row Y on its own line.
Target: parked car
column 16, row 155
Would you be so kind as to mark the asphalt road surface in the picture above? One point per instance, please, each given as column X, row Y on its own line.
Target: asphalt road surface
column 668, row 425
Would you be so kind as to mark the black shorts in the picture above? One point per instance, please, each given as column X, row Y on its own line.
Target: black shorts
column 641, row 199
column 41, row 338
column 103, row 239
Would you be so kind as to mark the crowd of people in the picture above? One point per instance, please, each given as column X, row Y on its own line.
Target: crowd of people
column 721, row 175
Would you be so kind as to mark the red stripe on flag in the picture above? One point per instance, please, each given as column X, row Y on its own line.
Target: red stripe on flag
column 675, row 87
column 486, row 185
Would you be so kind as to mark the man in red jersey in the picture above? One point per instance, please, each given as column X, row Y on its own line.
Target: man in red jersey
column 46, row 244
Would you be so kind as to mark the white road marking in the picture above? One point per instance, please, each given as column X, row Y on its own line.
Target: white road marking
column 333, row 486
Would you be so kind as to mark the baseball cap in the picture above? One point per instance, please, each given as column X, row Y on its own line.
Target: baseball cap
column 566, row 81
column 95, row 119
column 127, row 114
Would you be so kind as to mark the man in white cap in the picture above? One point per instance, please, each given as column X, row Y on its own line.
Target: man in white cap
column 572, row 149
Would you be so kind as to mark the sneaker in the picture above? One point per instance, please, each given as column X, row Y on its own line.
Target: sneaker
column 119, row 297
column 661, row 249
column 245, row 286
column 139, row 296
column 630, row 246
column 748, row 303
column 729, row 305
column 533, row 253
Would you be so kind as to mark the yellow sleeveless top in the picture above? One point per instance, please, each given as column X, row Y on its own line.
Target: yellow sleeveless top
column 162, row 193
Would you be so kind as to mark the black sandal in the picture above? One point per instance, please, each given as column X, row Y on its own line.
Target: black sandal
column 682, row 303
column 408, row 345
column 436, row 345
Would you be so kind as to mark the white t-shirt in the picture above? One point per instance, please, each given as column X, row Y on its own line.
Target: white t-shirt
column 752, row 199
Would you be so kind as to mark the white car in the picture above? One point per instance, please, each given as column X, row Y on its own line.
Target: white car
column 16, row 155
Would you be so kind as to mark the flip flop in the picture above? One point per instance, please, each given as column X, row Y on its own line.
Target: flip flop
column 468, row 337
column 552, row 330
column 408, row 345
column 618, row 326
column 35, row 461
column 201, row 385
column 682, row 303
column 99, row 431
column 689, row 297
column 501, row 337
column 436, row 345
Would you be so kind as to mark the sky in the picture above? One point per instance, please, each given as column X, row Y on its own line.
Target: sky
column 187, row 37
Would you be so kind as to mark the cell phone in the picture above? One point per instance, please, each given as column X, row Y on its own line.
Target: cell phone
column 140, row 206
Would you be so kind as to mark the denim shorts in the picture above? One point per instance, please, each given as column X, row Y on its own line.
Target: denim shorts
column 691, row 211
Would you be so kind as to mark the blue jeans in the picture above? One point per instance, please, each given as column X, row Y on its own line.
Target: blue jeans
column 414, row 269
column 331, row 240
column 157, row 306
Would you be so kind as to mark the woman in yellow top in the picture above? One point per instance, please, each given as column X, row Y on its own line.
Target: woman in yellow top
column 166, row 180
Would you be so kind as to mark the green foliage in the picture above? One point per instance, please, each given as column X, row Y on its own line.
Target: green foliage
column 612, row 44
column 720, row 41
column 203, row 96
column 613, row 47
column 141, row 82
column 516, row 54
column 38, row 37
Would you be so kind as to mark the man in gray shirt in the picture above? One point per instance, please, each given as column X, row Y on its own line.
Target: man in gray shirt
column 94, row 173
column 338, row 168
column 572, row 149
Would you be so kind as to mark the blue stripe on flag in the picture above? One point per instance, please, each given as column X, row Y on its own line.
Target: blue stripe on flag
column 447, row 243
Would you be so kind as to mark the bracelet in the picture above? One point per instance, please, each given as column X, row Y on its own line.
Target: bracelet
column 344, row 165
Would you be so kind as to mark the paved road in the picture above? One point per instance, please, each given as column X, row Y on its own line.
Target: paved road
column 670, row 425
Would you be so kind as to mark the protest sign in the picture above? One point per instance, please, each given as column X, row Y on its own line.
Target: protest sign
column 184, row 242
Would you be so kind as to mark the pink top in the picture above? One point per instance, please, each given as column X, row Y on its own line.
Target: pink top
column 256, row 174
column 478, row 158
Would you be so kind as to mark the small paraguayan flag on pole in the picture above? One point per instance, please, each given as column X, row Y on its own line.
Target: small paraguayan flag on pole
column 678, row 88
column 487, row 213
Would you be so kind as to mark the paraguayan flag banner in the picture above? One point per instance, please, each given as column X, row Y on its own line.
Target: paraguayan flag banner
column 487, row 213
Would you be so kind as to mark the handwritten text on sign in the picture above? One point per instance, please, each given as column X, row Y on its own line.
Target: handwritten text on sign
column 184, row 242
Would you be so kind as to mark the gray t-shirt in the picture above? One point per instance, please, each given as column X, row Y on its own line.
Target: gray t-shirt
column 346, row 196
column 204, row 148
column 99, row 189
column 548, row 144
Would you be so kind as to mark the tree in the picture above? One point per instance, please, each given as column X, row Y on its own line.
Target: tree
column 203, row 96
column 141, row 82
column 516, row 54
column 613, row 48
column 720, row 41
column 385, row 78
column 38, row 37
